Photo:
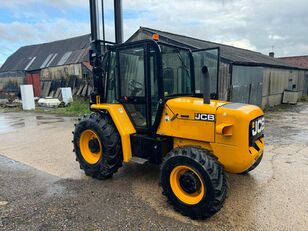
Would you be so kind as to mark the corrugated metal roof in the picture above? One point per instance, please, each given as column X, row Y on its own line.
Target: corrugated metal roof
column 34, row 57
column 301, row 61
column 228, row 53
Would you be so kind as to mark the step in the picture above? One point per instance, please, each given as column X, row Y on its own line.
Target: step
column 139, row 160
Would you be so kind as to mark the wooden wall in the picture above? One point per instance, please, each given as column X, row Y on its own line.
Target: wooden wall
column 59, row 72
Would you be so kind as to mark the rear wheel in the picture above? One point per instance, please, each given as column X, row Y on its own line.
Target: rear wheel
column 97, row 146
column 194, row 182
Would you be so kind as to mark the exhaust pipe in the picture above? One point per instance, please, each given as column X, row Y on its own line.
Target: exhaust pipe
column 206, row 85
column 118, row 18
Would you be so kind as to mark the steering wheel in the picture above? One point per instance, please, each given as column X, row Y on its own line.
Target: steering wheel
column 135, row 87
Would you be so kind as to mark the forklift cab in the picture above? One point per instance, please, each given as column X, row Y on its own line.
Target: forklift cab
column 142, row 75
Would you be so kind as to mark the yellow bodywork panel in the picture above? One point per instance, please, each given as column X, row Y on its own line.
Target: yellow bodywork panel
column 239, row 116
column 179, row 142
column 226, row 137
column 123, row 124
column 234, row 151
column 178, row 119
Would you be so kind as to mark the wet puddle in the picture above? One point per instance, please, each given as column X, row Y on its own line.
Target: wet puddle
column 48, row 120
column 9, row 122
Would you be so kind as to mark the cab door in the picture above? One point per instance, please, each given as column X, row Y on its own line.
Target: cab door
column 138, row 70
column 211, row 59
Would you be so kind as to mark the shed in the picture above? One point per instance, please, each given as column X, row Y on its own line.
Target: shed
column 244, row 76
column 47, row 66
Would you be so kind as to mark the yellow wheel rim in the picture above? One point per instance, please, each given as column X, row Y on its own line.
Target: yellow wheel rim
column 178, row 184
column 91, row 154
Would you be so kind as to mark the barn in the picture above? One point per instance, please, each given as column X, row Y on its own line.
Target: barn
column 49, row 66
column 244, row 76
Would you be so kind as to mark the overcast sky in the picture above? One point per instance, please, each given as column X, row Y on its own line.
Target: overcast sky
column 260, row 25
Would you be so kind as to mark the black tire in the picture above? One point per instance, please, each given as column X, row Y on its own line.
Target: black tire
column 110, row 158
column 258, row 161
column 207, row 168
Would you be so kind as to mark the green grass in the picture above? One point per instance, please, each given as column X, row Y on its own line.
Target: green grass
column 78, row 107
column 6, row 109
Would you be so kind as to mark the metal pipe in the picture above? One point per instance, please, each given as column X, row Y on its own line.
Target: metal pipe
column 118, row 19
column 94, row 20
column 206, row 85
column 96, row 52
column 103, row 27
column 103, row 20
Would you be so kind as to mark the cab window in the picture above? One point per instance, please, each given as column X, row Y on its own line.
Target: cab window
column 176, row 65
column 132, row 83
column 111, row 73
column 132, row 72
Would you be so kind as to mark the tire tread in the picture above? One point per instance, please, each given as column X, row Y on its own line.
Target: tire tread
column 215, row 173
column 111, row 142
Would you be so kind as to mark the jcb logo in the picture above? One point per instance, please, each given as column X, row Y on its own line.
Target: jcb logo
column 204, row 117
column 257, row 126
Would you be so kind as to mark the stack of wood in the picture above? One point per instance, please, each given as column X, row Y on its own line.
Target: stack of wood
column 80, row 87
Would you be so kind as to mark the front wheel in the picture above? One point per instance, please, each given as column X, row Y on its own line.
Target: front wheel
column 97, row 146
column 194, row 182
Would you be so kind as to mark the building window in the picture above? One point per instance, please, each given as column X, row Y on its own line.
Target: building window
column 290, row 85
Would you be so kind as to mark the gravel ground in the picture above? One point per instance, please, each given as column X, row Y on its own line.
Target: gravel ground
column 42, row 187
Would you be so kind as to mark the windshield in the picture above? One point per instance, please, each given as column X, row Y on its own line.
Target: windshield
column 176, row 66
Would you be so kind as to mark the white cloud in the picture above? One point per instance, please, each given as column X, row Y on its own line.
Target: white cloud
column 276, row 37
column 44, row 31
column 242, row 43
column 257, row 25
column 17, row 34
column 14, row 4
column 68, row 3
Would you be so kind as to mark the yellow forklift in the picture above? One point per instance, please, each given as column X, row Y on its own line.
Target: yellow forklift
column 159, row 103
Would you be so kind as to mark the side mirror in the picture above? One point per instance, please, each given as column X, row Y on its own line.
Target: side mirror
column 206, row 85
